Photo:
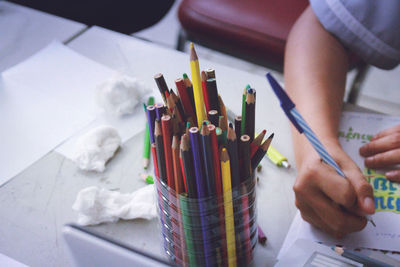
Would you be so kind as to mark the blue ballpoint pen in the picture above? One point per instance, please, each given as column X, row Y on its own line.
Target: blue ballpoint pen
column 297, row 120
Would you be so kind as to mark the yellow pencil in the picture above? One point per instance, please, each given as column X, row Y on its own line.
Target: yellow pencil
column 197, row 89
column 229, row 220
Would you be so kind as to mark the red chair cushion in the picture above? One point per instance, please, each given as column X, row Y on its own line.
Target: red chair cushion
column 255, row 28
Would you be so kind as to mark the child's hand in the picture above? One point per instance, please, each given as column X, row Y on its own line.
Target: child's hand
column 384, row 151
column 327, row 200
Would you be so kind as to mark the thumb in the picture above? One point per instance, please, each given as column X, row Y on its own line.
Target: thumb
column 364, row 191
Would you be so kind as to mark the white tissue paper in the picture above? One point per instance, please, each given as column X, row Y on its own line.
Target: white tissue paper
column 120, row 94
column 97, row 205
column 95, row 148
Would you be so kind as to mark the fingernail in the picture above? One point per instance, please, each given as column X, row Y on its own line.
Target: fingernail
column 392, row 174
column 369, row 160
column 369, row 204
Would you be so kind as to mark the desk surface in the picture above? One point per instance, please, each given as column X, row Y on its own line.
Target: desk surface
column 24, row 31
column 37, row 202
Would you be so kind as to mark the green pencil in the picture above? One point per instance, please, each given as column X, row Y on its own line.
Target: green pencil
column 243, row 125
column 146, row 149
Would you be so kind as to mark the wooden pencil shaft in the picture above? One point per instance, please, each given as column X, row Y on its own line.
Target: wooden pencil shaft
column 208, row 160
column 151, row 118
column 155, row 162
column 161, row 84
column 245, row 170
column 233, row 155
column 185, row 98
column 160, row 111
column 189, row 174
column 160, row 151
column 260, row 137
column 167, row 136
column 204, row 90
column 197, row 162
column 243, row 122
column 212, row 93
column 213, row 117
column 238, row 125
column 197, row 87
column 179, row 188
column 228, row 205
column 222, row 109
column 261, row 152
column 250, row 114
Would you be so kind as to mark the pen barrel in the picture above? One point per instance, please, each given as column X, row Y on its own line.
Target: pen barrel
column 191, row 227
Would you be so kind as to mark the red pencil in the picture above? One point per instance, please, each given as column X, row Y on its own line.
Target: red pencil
column 185, row 99
column 204, row 87
column 154, row 153
column 166, row 131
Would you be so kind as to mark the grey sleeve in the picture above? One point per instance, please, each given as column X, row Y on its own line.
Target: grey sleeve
column 369, row 28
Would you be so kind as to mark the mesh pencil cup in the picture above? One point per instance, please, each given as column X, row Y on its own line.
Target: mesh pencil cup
column 212, row 231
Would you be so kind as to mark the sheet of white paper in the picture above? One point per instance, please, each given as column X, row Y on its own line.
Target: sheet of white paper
column 32, row 124
column 63, row 74
column 355, row 129
column 71, row 79
column 9, row 262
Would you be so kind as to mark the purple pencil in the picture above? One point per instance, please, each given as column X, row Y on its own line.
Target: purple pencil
column 201, row 191
column 151, row 118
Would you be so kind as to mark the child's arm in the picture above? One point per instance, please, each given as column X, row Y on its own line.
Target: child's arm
column 315, row 70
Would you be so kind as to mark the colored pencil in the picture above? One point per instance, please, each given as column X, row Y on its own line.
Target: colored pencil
column 262, row 238
column 167, row 136
column 222, row 109
column 246, row 242
column 228, row 206
column 179, row 105
column 238, row 125
column 212, row 93
column 218, row 179
column 242, row 128
column 151, row 118
column 189, row 89
column 154, row 153
column 205, row 91
column 260, row 153
column 188, row 168
column 187, row 222
column 260, row 137
column 210, row 73
column 207, row 160
column 185, row 99
column 250, row 113
column 160, row 111
column 213, row 117
column 197, row 88
column 201, row 191
column 160, row 151
column 224, row 127
column 232, row 147
column 162, row 85
column 179, row 187
column 244, row 154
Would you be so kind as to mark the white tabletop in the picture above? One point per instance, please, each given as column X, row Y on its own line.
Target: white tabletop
column 24, row 31
column 37, row 202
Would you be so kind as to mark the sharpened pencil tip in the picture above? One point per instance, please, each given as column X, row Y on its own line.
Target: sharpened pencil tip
column 191, row 45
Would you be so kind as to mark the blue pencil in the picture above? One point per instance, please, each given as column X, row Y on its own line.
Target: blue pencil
column 301, row 125
column 201, row 191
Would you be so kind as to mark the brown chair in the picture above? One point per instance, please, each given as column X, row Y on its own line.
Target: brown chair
column 253, row 30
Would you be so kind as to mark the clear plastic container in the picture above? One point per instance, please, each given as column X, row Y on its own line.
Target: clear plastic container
column 212, row 231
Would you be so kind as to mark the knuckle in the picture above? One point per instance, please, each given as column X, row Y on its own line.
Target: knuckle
column 396, row 140
column 365, row 189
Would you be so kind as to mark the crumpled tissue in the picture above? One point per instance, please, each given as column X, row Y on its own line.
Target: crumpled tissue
column 120, row 94
column 95, row 148
column 97, row 205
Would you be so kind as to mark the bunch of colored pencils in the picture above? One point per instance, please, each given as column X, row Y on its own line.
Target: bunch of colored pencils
column 204, row 168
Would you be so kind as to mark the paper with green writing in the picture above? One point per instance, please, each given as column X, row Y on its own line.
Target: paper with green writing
column 355, row 130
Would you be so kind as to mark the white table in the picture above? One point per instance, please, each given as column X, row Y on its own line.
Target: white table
column 24, row 31
column 37, row 203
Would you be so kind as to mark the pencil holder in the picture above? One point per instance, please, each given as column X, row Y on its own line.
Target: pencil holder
column 212, row 231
